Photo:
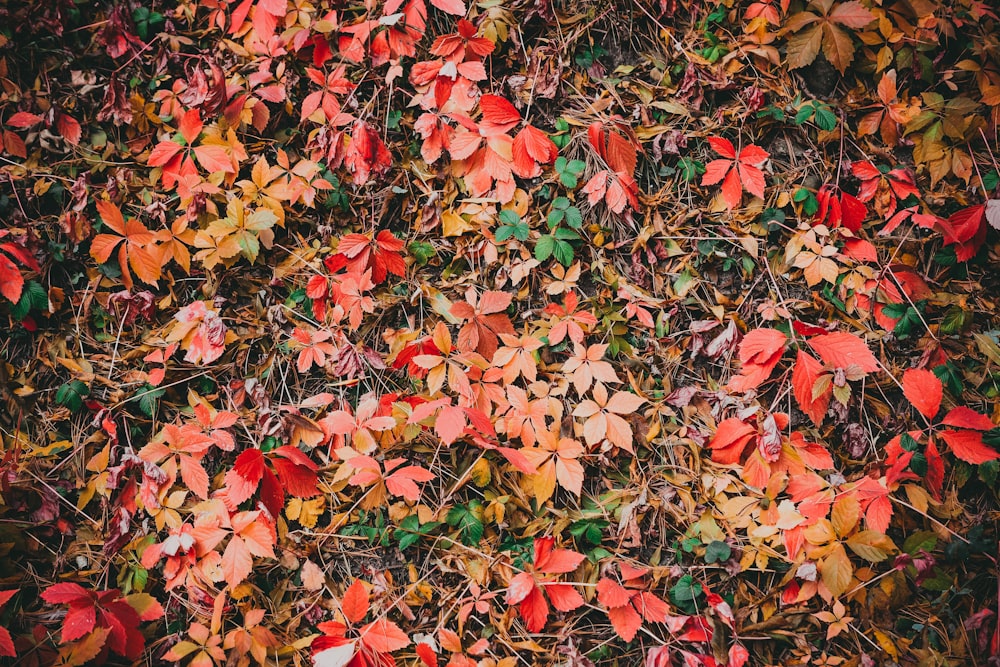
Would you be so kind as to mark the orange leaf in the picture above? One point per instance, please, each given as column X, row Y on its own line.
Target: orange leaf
column 384, row 636
column 355, row 602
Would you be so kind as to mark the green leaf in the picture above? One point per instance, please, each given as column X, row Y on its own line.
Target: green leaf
column 685, row 592
column 509, row 217
column 574, row 218
column 33, row 297
column 468, row 520
column 71, row 395
column 690, row 169
column 544, row 247
column 147, row 398
column 718, row 552
column 566, row 234
column 555, row 216
column 563, row 251
column 804, row 114
column 422, row 252
column 825, row 118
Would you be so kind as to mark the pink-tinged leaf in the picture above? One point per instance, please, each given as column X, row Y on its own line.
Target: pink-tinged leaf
column 963, row 417
column 449, row 424
column 969, row 446
column 214, row 158
column 23, row 119
column 237, row 562
column 163, row 153
column 924, row 391
column 761, row 344
column 194, row 476
column 738, row 656
column 456, row 7
column 851, row 14
column 519, row 588
column 840, row 350
column 596, row 187
column 384, row 636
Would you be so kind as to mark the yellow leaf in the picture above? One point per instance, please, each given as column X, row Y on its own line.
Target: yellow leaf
column 871, row 545
column 452, row 224
column 836, row 570
column 845, row 514
column 887, row 644
column 306, row 512
column 480, row 473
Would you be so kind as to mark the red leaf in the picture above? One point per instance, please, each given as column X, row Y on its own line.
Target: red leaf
column 555, row 561
column 519, row 588
column 807, row 370
column 969, row 446
column 244, row 478
column 499, row 115
column 924, row 391
column 723, row 147
column 534, row 610
column 66, row 593
column 426, row 654
column 11, row 282
column 68, row 128
column 6, row 644
column 840, row 350
column 78, row 622
column 963, row 417
column 612, row 594
column 935, row 469
column 730, row 439
column 564, row 597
